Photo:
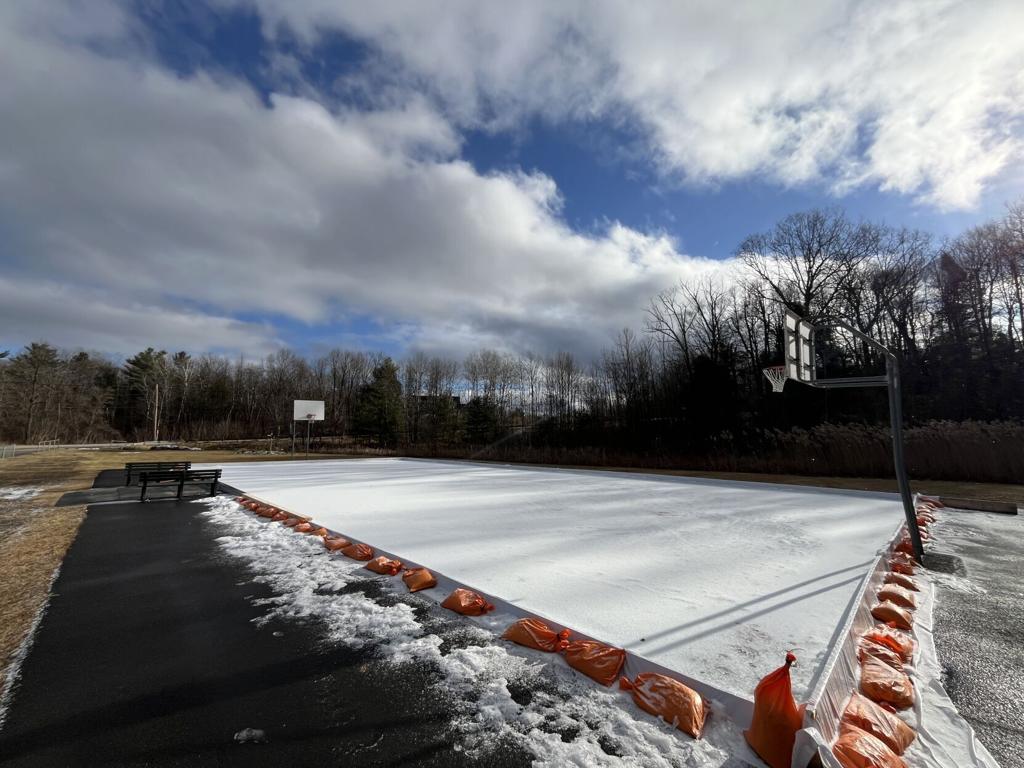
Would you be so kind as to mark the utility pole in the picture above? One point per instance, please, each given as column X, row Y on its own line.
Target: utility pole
column 156, row 415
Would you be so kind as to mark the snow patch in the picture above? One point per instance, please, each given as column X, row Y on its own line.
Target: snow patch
column 500, row 693
column 19, row 494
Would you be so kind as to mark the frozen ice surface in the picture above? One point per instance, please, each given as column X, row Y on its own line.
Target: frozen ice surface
column 714, row 579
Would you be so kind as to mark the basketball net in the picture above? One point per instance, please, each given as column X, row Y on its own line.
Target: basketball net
column 776, row 374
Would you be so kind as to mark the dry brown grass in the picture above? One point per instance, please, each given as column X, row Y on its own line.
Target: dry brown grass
column 34, row 536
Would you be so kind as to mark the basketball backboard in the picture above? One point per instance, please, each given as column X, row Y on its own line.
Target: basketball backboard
column 799, row 345
column 308, row 410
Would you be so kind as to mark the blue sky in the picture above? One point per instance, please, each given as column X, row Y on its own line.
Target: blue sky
column 597, row 174
column 243, row 175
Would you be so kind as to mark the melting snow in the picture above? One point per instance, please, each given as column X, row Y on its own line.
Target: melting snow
column 501, row 693
column 19, row 494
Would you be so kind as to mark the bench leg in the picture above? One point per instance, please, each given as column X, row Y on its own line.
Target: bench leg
column 181, row 486
column 142, row 497
column 127, row 479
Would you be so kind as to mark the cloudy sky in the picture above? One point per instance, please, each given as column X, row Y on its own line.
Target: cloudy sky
column 447, row 175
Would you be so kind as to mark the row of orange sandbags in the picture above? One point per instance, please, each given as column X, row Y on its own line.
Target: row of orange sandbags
column 461, row 600
column 871, row 734
column 657, row 694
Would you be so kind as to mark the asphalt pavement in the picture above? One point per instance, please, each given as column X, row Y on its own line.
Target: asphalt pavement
column 979, row 627
column 149, row 654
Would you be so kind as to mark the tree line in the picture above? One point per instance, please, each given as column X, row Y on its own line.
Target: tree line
column 687, row 385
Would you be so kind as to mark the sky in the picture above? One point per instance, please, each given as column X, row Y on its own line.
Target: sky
column 238, row 176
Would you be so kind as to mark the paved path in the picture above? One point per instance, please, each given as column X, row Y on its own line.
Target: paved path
column 979, row 631
column 148, row 655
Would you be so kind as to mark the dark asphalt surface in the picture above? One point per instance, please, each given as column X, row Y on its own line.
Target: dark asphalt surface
column 979, row 632
column 148, row 655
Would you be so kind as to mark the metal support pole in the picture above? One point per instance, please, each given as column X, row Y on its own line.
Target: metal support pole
column 293, row 437
column 308, row 422
column 892, row 372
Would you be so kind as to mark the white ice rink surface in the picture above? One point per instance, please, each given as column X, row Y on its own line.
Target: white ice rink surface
column 713, row 579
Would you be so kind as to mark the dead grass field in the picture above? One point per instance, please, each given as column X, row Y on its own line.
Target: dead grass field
column 35, row 535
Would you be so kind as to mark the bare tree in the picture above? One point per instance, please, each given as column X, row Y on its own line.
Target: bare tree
column 807, row 257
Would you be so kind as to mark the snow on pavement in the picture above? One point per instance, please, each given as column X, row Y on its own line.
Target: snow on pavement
column 500, row 691
column 714, row 579
column 19, row 494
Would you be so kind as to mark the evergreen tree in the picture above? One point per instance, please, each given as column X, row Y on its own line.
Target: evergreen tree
column 379, row 408
column 142, row 374
column 31, row 376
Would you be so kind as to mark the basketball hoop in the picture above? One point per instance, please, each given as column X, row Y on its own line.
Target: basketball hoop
column 776, row 374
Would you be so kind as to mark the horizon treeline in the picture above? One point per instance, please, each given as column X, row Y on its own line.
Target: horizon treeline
column 688, row 384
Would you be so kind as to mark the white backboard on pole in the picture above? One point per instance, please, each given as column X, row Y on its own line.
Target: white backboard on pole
column 799, row 347
column 308, row 410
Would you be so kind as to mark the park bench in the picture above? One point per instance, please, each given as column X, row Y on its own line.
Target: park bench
column 181, row 477
column 136, row 467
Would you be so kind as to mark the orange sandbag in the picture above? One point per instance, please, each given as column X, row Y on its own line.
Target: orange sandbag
column 881, row 652
column 334, row 543
column 419, row 578
column 291, row 522
column 885, row 685
column 906, row 544
column 241, row 499
column 315, row 530
column 890, row 613
column 305, row 527
column 863, row 713
column 904, row 581
column 467, row 602
column 901, row 562
column 358, row 551
column 266, row 511
column 668, row 699
column 894, row 593
column 859, row 749
column 893, row 638
column 279, row 516
column 534, row 633
column 251, row 505
column 776, row 717
column 596, row 660
column 384, row 565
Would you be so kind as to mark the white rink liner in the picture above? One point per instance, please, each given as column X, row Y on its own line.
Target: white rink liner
column 713, row 579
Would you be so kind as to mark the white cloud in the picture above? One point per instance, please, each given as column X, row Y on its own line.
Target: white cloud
column 922, row 97
column 125, row 186
column 77, row 318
